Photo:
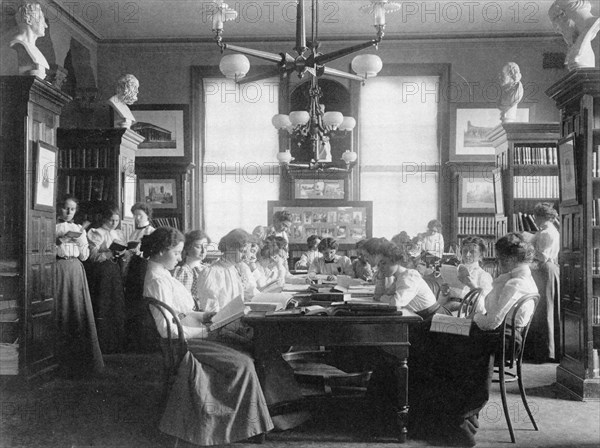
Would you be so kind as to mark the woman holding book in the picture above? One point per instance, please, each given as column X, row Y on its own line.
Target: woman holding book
column 194, row 252
column 457, row 383
column 209, row 369
column 545, row 327
column 273, row 262
column 107, row 246
column 137, row 325
column 79, row 350
column 330, row 264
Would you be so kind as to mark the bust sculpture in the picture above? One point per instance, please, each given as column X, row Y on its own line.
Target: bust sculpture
column 574, row 20
column 32, row 24
column 511, row 92
column 127, row 90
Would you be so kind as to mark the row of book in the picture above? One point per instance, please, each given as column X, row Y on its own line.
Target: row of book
column 490, row 250
column 535, row 187
column 596, row 261
column 524, row 222
column 535, row 155
column 595, row 162
column 595, row 310
column 87, row 157
column 596, row 212
column 481, row 225
column 88, row 187
column 167, row 222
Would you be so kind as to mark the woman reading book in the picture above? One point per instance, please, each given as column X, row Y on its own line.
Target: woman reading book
column 209, row 369
column 79, row 350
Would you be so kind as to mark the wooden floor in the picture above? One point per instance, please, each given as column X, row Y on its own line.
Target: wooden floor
column 119, row 409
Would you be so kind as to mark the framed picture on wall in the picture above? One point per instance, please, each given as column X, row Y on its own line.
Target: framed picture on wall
column 498, row 191
column 567, row 171
column 44, row 177
column 166, row 130
column 470, row 123
column 476, row 193
column 159, row 193
column 129, row 183
column 319, row 188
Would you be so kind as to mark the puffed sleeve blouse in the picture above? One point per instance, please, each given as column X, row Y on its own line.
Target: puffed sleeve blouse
column 78, row 248
column 407, row 290
column 100, row 240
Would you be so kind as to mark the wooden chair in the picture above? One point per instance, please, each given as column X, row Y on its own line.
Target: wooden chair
column 469, row 302
column 173, row 348
column 511, row 354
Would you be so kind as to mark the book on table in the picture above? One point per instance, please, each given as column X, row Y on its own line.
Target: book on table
column 266, row 301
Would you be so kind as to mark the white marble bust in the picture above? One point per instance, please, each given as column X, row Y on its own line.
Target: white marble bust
column 574, row 20
column 32, row 24
column 127, row 90
column 511, row 92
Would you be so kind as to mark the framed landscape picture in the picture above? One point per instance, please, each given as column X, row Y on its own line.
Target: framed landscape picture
column 166, row 130
column 44, row 177
column 470, row 125
column 159, row 193
column 476, row 193
column 567, row 171
column 319, row 188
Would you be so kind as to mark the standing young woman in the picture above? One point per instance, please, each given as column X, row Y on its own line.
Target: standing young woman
column 106, row 284
column 79, row 350
column 237, row 408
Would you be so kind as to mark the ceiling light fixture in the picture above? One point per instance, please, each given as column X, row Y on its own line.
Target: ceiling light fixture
column 315, row 124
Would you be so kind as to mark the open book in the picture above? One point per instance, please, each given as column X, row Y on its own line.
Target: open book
column 449, row 275
column 231, row 312
column 117, row 247
column 441, row 323
column 72, row 234
column 266, row 301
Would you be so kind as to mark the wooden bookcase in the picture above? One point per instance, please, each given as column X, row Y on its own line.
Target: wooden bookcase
column 97, row 166
column 486, row 224
column 527, row 157
column 177, row 173
column 30, row 112
column 577, row 96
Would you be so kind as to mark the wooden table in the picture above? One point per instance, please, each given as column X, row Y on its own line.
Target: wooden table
column 276, row 334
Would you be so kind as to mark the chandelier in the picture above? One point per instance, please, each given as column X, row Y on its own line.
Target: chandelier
column 315, row 125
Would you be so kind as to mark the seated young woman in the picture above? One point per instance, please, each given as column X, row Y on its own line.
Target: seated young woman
column 237, row 409
column 273, row 262
column 456, row 386
column 330, row 264
column 470, row 274
column 219, row 284
column 194, row 252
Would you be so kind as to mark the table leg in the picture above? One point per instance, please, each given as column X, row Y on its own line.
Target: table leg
column 402, row 405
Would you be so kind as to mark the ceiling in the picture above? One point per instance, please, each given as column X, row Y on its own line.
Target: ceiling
column 155, row 20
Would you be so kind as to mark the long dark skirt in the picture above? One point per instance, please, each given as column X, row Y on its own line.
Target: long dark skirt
column 139, row 325
column 216, row 398
column 108, row 300
column 544, row 334
column 78, row 349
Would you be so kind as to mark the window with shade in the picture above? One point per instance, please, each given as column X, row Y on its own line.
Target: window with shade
column 400, row 151
column 239, row 164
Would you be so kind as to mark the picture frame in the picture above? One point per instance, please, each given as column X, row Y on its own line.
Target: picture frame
column 469, row 125
column 159, row 193
column 498, row 191
column 129, row 184
column 476, row 193
column 166, row 130
column 319, row 189
column 567, row 171
column 45, row 175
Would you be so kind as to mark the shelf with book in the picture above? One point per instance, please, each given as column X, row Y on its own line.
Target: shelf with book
column 527, row 155
column 577, row 95
column 97, row 166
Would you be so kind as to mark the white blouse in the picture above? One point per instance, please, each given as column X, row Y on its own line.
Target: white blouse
column 340, row 266
column 405, row 289
column 547, row 243
column 78, row 247
column 219, row 284
column 160, row 285
column 138, row 234
column 100, row 240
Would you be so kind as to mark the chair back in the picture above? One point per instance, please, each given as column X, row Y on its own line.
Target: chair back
column 511, row 353
column 173, row 349
column 469, row 302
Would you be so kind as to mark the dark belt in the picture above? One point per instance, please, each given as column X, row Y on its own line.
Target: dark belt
column 65, row 258
column 429, row 311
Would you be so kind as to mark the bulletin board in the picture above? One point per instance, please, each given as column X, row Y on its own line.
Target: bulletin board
column 346, row 221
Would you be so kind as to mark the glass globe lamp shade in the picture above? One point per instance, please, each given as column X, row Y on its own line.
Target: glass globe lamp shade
column 367, row 65
column 349, row 156
column 332, row 119
column 284, row 156
column 281, row 121
column 299, row 117
column 348, row 124
column 234, row 66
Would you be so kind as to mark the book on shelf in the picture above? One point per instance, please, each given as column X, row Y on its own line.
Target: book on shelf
column 537, row 187
column 534, row 155
column 595, row 310
column 596, row 261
